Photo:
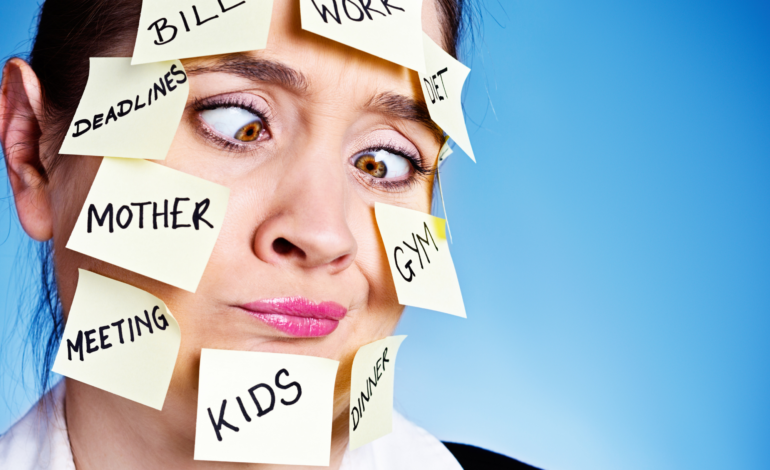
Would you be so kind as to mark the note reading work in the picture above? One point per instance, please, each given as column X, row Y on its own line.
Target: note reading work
column 442, row 85
column 389, row 29
column 264, row 408
column 150, row 219
column 196, row 28
column 371, row 390
column 120, row 339
column 420, row 263
column 127, row 111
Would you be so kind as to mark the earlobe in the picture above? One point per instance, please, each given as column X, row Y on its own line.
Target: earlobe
column 21, row 112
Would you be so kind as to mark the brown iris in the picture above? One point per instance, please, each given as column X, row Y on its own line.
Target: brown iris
column 250, row 132
column 368, row 164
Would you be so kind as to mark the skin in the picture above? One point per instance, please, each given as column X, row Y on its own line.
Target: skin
column 298, row 184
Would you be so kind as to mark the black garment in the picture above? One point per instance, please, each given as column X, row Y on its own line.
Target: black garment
column 476, row 458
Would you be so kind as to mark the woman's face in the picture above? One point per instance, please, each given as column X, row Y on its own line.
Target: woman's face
column 307, row 134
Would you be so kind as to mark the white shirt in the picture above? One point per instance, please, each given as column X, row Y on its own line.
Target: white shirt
column 39, row 441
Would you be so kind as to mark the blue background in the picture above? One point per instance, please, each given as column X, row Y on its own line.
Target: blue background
column 612, row 243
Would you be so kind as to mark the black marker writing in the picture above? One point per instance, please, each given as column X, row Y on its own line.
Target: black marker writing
column 433, row 89
column 164, row 85
column 417, row 242
column 358, row 411
column 167, row 32
column 98, row 341
column 355, row 10
column 124, row 216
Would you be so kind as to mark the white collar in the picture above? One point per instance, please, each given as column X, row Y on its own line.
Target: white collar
column 39, row 441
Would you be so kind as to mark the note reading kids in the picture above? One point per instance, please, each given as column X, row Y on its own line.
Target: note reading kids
column 120, row 339
column 371, row 391
column 261, row 407
column 419, row 259
column 389, row 29
column 442, row 85
column 151, row 219
column 128, row 111
column 196, row 28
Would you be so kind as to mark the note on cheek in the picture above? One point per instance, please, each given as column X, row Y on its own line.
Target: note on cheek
column 260, row 407
column 195, row 28
column 128, row 111
column 371, row 391
column 390, row 29
column 120, row 339
column 151, row 219
column 442, row 84
column 418, row 254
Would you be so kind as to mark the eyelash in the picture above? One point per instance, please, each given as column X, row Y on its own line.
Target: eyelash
column 200, row 105
column 421, row 171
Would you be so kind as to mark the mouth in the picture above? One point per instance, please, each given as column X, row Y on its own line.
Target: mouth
column 297, row 316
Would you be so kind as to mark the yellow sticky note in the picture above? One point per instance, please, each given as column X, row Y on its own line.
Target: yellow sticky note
column 371, row 390
column 151, row 219
column 261, row 407
column 120, row 339
column 442, row 85
column 390, row 29
column 126, row 111
column 195, row 28
column 418, row 254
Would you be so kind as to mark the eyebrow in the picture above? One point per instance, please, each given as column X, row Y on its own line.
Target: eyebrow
column 389, row 104
column 259, row 70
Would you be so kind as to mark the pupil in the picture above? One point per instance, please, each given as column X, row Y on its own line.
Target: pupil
column 370, row 166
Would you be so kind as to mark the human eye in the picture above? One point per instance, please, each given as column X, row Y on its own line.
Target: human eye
column 235, row 123
column 388, row 167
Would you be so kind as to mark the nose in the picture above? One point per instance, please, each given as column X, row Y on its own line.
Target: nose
column 308, row 226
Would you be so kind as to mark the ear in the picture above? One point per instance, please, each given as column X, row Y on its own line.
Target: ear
column 21, row 112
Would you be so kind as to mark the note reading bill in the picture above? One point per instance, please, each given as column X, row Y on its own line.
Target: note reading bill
column 442, row 84
column 389, row 29
column 151, row 219
column 418, row 254
column 261, row 407
column 371, row 391
column 128, row 111
column 120, row 339
column 195, row 28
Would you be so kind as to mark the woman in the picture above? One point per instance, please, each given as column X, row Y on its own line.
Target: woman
column 292, row 130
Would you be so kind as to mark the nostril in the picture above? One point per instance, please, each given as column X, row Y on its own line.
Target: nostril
column 283, row 246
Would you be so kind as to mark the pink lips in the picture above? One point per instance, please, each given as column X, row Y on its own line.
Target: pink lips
column 298, row 316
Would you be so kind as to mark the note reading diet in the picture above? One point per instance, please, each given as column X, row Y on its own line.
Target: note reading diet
column 151, row 219
column 128, row 111
column 442, row 85
column 264, row 408
column 120, row 339
column 196, row 28
column 371, row 390
column 419, row 259
column 389, row 29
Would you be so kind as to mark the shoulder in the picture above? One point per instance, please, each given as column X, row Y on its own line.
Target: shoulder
column 39, row 440
column 473, row 458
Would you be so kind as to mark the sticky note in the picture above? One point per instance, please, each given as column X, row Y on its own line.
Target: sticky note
column 390, row 29
column 445, row 152
column 128, row 111
column 195, row 28
column 442, row 85
column 120, row 339
column 259, row 407
column 419, row 259
column 151, row 219
column 371, row 391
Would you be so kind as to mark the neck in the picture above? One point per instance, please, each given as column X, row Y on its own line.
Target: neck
column 107, row 431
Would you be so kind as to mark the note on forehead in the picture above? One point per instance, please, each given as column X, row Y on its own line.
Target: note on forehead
column 371, row 391
column 442, row 84
column 120, row 339
column 420, row 263
column 258, row 407
column 195, row 28
column 151, row 219
column 128, row 111
column 390, row 29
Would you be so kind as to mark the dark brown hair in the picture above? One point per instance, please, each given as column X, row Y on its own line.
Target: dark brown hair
column 69, row 32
